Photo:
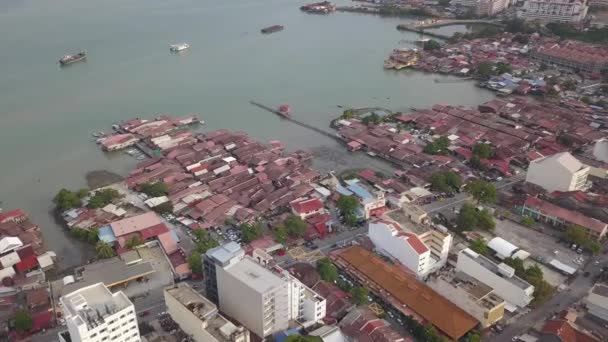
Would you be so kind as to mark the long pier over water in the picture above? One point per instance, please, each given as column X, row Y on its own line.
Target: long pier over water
column 295, row 121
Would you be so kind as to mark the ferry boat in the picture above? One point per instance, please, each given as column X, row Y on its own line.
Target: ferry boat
column 324, row 7
column 69, row 59
column 272, row 29
column 179, row 47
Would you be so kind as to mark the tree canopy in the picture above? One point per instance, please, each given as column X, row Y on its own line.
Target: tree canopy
column 23, row 321
column 348, row 206
column 133, row 242
column 482, row 150
column 281, row 234
column 327, row 270
column 480, row 246
column 102, row 198
column 485, row 69
column 164, row 208
column 528, row 221
column 204, row 241
column 534, row 276
column 445, row 181
column 66, row 199
column 359, row 295
column 250, row 232
column 300, row 338
column 431, row 45
column 438, row 146
column 195, row 262
column 295, row 226
column 470, row 218
column 156, row 189
column 482, row 191
column 578, row 235
column 104, row 250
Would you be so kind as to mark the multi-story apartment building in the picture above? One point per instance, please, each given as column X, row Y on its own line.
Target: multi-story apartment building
column 198, row 317
column 598, row 3
column 558, row 172
column 500, row 277
column 262, row 296
column 486, row 8
column 94, row 314
column 566, row 11
column 574, row 55
column 219, row 257
column 422, row 249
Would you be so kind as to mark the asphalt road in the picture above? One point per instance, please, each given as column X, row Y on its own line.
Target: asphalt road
column 575, row 291
column 463, row 196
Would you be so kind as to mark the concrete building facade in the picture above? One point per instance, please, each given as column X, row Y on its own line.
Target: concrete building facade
column 94, row 314
column 597, row 301
column 558, row 172
column 564, row 11
column 421, row 249
column 198, row 317
column 500, row 277
column 262, row 296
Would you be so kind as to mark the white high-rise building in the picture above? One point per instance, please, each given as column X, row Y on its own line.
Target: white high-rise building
column 564, row 11
column 94, row 314
column 420, row 248
column 263, row 297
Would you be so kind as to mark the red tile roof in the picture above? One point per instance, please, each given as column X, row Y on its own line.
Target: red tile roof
column 153, row 231
column 27, row 264
column 12, row 215
column 405, row 289
column 307, row 206
column 566, row 332
column 415, row 242
column 564, row 214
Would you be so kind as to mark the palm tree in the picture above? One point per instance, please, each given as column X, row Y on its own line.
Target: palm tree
column 104, row 250
column 133, row 241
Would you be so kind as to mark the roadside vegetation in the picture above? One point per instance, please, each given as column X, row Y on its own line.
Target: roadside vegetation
column 293, row 227
column 327, row 270
column 579, row 236
column 483, row 192
column 471, row 218
column 533, row 275
column 348, row 207
column 251, row 232
column 156, row 189
column 445, row 181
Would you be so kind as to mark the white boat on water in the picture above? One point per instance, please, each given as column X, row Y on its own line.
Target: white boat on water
column 179, row 47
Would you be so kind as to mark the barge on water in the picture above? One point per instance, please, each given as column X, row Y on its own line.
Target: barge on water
column 272, row 29
column 69, row 59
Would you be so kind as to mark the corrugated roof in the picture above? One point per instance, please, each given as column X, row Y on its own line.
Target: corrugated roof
column 135, row 223
column 549, row 209
column 431, row 306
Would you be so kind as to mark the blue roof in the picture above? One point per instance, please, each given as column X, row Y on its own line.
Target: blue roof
column 282, row 335
column 106, row 234
column 358, row 190
column 343, row 191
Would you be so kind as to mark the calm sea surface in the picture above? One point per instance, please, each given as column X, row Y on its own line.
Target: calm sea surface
column 47, row 113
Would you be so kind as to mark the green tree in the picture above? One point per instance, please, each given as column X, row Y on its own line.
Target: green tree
column 528, row 221
column 482, row 191
column 156, row 189
column 280, row 234
column 476, row 163
column 102, row 198
column 327, row 270
column 439, row 146
column 300, row 338
column 372, row 119
column 133, row 242
column 251, row 232
column 586, row 99
column 480, row 246
column 104, row 250
column 359, row 295
column 576, row 234
column 467, row 218
column 431, row 45
column 295, row 226
column 502, row 68
column 521, row 38
column 484, row 69
column 569, row 85
column 93, row 235
column 347, row 204
column 594, row 247
column 348, row 114
column 445, row 181
column 534, row 272
column 204, row 241
column 23, row 321
column 195, row 262
column 164, row 208
column 483, row 151
column 82, row 193
column 473, row 337
column 518, row 266
column 66, row 199
column 485, row 220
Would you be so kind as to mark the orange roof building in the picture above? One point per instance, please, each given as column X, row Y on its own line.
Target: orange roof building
column 404, row 291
